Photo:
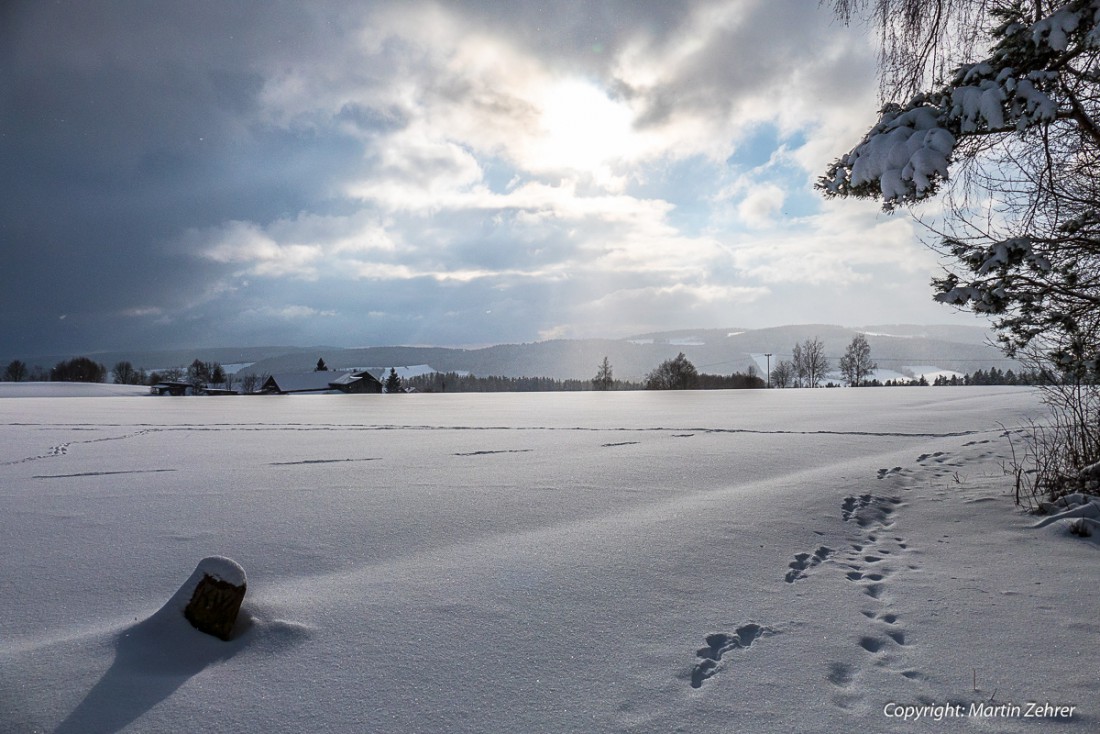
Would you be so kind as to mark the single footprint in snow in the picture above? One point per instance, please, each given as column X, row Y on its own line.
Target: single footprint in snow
column 871, row 644
column 840, row 674
column 852, row 505
column 804, row 561
column 873, row 590
column 868, row 509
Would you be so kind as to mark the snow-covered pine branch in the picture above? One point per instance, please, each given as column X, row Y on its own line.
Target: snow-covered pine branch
column 1028, row 80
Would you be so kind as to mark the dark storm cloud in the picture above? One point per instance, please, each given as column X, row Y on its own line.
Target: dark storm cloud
column 120, row 125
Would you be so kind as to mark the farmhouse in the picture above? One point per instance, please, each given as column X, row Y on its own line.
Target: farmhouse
column 322, row 382
column 172, row 387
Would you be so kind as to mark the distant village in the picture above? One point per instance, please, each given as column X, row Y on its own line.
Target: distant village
column 204, row 378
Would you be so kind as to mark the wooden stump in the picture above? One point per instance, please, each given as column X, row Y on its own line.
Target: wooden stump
column 216, row 601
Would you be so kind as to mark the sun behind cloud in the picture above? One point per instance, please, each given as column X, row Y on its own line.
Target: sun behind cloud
column 583, row 129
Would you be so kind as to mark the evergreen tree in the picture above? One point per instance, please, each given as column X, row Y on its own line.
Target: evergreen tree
column 393, row 382
column 1017, row 124
column 673, row 374
column 603, row 379
column 198, row 373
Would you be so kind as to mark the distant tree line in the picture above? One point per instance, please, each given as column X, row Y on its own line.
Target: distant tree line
column 1000, row 377
column 806, row 368
column 84, row 369
column 459, row 382
column 673, row 374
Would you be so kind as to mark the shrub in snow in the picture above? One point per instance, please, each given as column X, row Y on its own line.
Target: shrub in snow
column 1078, row 514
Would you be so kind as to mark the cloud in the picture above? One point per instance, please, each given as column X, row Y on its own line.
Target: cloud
column 759, row 207
column 289, row 313
column 848, row 243
column 475, row 171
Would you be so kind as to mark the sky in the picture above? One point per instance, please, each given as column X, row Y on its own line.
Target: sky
column 450, row 173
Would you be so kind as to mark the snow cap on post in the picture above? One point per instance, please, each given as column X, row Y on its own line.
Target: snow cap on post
column 212, row 596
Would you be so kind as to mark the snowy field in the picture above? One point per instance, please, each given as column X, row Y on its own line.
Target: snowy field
column 749, row 561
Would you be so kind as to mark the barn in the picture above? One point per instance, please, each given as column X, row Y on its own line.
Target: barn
column 295, row 383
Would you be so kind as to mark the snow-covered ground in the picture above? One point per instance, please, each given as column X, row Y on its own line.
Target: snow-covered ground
column 69, row 390
column 751, row 561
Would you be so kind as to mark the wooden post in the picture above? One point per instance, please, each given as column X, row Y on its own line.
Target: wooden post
column 217, row 598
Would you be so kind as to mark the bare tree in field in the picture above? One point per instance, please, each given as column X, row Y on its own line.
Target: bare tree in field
column 810, row 362
column 856, row 364
column 125, row 374
column 251, row 382
column 798, row 366
column 783, row 375
column 16, row 371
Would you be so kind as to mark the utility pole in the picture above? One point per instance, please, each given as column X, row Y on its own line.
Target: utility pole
column 769, row 356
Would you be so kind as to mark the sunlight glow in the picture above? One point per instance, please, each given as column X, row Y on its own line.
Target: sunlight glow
column 582, row 128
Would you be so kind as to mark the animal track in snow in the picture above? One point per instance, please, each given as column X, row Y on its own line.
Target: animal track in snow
column 883, row 473
column 101, row 473
column 871, row 644
column 852, row 505
column 719, row 643
column 321, row 461
column 869, row 509
column 870, row 562
column 840, row 674
column 805, row 561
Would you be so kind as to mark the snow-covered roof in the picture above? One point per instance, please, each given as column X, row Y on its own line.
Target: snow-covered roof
column 346, row 378
column 405, row 372
column 318, row 381
column 305, row 381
